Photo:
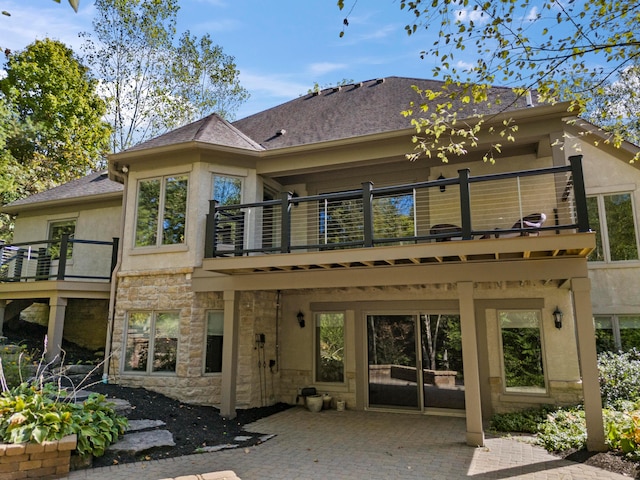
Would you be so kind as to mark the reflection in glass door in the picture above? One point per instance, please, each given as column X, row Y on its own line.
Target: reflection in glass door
column 395, row 353
column 393, row 377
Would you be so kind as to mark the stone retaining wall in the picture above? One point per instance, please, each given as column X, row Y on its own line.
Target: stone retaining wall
column 48, row 460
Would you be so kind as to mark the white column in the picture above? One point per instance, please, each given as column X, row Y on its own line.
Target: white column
column 230, row 354
column 585, row 330
column 473, row 406
column 57, row 307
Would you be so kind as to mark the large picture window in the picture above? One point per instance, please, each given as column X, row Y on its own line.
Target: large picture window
column 522, row 351
column 613, row 218
column 151, row 342
column 329, row 347
column 215, row 335
column 161, row 211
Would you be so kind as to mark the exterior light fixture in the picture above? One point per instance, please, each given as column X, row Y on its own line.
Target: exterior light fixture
column 442, row 187
column 300, row 317
column 557, row 317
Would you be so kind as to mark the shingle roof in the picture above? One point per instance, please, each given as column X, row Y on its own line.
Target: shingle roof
column 212, row 129
column 354, row 110
column 94, row 184
column 358, row 109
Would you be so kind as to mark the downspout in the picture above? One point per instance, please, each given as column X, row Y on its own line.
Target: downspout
column 114, row 279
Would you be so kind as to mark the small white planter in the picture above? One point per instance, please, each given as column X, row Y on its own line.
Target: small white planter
column 314, row 403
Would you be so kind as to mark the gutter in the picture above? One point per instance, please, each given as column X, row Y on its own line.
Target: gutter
column 114, row 280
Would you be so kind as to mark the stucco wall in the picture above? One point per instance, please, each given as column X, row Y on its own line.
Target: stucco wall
column 614, row 288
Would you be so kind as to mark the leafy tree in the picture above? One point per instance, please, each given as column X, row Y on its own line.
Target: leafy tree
column 563, row 50
column 52, row 129
column 152, row 82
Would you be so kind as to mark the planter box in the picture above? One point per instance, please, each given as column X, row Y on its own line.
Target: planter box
column 46, row 461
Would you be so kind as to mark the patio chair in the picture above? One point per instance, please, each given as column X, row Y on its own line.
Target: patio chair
column 528, row 226
column 453, row 232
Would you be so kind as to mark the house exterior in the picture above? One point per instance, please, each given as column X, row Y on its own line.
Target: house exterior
column 299, row 247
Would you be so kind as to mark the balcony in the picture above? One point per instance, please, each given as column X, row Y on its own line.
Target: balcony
column 67, row 259
column 462, row 219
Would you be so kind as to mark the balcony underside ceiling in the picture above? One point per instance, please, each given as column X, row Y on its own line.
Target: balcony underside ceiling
column 541, row 258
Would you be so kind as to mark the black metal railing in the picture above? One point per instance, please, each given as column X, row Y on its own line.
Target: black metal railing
column 466, row 207
column 52, row 260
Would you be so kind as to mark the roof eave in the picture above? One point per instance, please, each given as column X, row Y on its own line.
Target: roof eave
column 14, row 210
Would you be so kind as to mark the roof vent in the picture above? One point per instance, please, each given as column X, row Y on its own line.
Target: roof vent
column 280, row 132
column 529, row 99
column 337, row 89
column 357, row 85
column 315, row 93
column 380, row 80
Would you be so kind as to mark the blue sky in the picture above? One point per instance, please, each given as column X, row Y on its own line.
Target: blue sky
column 281, row 47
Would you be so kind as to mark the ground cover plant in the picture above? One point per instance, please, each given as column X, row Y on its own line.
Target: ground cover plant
column 562, row 430
column 39, row 409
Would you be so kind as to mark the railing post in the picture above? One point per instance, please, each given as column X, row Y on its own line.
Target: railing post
column 43, row 265
column 579, row 193
column 62, row 261
column 210, row 230
column 115, row 241
column 465, row 203
column 367, row 213
column 285, row 241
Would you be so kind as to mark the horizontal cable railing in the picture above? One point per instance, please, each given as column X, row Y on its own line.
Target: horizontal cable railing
column 530, row 202
column 65, row 259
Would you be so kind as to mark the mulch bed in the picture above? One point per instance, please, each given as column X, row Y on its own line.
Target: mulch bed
column 193, row 426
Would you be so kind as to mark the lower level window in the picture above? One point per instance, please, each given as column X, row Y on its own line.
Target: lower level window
column 329, row 347
column 151, row 342
column 522, row 351
column 215, row 334
column 617, row 332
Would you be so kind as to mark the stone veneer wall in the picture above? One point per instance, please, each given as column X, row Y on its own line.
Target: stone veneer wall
column 171, row 290
column 559, row 393
column 47, row 460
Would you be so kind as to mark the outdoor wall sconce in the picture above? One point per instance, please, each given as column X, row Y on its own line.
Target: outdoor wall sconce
column 300, row 317
column 442, row 187
column 557, row 317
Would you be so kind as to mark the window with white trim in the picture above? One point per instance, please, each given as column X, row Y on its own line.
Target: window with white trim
column 521, row 341
column 612, row 216
column 161, row 211
column 151, row 342
column 56, row 230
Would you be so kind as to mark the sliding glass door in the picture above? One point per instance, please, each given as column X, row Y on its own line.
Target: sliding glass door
column 415, row 361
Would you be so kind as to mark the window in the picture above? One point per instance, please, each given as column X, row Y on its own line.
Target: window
column 161, row 211
column 613, row 218
column 329, row 347
column 617, row 332
column 215, row 334
column 522, row 351
column 151, row 342
column 227, row 190
column 56, row 230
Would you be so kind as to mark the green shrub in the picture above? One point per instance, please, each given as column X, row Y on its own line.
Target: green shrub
column 623, row 431
column 563, row 429
column 619, row 377
column 32, row 414
column 526, row 421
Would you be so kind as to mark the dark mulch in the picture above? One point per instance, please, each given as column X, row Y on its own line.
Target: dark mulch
column 193, row 426
column 610, row 461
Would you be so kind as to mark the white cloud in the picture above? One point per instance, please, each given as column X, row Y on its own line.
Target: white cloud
column 470, row 15
column 58, row 21
column 532, row 14
column 322, row 68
